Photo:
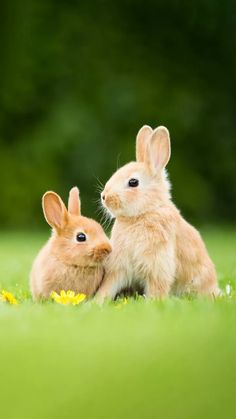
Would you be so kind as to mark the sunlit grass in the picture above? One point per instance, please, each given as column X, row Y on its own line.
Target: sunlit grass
column 133, row 359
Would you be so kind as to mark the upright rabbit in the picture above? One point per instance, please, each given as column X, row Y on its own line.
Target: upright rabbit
column 153, row 246
column 73, row 257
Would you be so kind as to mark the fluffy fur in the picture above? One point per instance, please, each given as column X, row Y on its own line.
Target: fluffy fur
column 64, row 263
column 153, row 246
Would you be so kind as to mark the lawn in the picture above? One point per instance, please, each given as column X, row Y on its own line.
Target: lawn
column 143, row 359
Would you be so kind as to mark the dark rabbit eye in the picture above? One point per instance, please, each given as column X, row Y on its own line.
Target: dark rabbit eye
column 81, row 237
column 133, row 183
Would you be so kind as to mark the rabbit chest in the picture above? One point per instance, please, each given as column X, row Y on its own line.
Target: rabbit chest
column 78, row 279
column 136, row 245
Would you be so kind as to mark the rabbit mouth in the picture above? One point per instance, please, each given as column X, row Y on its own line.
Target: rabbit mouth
column 99, row 253
column 112, row 202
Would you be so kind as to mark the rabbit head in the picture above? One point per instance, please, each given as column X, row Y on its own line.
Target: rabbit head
column 76, row 240
column 141, row 186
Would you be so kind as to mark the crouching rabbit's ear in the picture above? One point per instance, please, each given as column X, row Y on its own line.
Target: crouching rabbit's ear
column 158, row 150
column 141, row 142
column 74, row 206
column 54, row 210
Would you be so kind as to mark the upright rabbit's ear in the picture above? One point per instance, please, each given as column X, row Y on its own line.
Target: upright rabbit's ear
column 158, row 149
column 54, row 210
column 141, row 142
column 74, row 201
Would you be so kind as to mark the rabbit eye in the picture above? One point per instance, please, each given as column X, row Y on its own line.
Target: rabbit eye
column 81, row 237
column 133, row 183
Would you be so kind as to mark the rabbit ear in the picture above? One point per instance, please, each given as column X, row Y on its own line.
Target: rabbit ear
column 54, row 210
column 158, row 149
column 74, row 201
column 141, row 142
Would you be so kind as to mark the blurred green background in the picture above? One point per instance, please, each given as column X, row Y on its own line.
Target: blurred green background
column 78, row 79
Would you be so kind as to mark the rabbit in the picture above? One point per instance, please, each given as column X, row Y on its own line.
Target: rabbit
column 73, row 257
column 152, row 245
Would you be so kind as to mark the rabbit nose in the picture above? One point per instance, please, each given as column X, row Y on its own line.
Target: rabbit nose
column 103, row 197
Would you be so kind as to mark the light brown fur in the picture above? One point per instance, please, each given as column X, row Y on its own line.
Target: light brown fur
column 152, row 243
column 63, row 263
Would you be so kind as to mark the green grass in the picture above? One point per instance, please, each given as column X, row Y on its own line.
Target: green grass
column 145, row 359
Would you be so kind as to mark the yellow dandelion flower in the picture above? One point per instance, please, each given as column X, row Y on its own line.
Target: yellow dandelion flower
column 122, row 303
column 67, row 298
column 8, row 297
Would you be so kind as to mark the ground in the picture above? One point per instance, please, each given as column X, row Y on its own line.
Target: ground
column 143, row 359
